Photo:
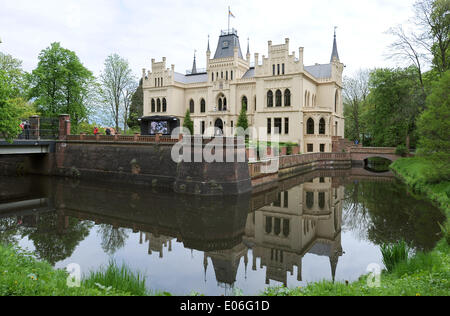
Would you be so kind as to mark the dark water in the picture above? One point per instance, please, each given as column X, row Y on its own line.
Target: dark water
column 321, row 226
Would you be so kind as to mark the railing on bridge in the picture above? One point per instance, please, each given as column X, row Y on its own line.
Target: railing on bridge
column 39, row 128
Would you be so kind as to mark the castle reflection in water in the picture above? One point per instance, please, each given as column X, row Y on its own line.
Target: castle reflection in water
column 278, row 227
column 304, row 219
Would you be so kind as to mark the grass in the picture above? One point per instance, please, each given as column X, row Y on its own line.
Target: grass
column 22, row 275
column 120, row 278
column 393, row 254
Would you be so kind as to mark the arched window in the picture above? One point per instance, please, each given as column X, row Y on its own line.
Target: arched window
column 192, row 106
column 310, row 127
column 220, row 107
column 203, row 106
column 158, row 105
column 322, row 127
column 287, row 97
column 270, row 99
column 224, row 104
column 279, row 97
column 153, row 106
column 245, row 103
column 164, row 105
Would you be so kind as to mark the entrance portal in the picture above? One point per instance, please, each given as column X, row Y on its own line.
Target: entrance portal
column 218, row 131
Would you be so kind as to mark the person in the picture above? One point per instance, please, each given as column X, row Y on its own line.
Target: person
column 356, row 142
column 22, row 126
column 95, row 131
column 27, row 130
column 108, row 132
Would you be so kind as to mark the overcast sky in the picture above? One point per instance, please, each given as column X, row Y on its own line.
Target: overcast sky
column 140, row 30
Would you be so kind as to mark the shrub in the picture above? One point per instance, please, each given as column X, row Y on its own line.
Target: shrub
column 393, row 254
column 401, row 150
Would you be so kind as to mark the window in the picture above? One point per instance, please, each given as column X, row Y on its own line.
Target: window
column 270, row 99
column 164, row 105
column 279, row 98
column 310, row 127
column 283, row 69
column 212, row 76
column 277, row 125
column 286, row 228
column 220, row 104
column 269, row 126
column 224, row 104
column 322, row 148
column 156, row 82
column 306, row 99
column 287, row 97
column 192, row 106
column 203, row 106
column 232, row 75
column 286, row 199
column 322, row 127
column 286, row 126
column 274, row 70
column 310, row 200
column 162, row 84
column 203, row 127
column 278, row 66
column 221, row 74
column 277, row 226
column 158, row 105
column 277, row 203
column 336, row 99
column 153, row 105
column 322, row 200
column 310, row 148
column 245, row 103
column 226, row 76
column 268, row 225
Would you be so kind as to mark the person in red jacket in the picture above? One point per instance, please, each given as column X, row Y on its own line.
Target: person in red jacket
column 95, row 131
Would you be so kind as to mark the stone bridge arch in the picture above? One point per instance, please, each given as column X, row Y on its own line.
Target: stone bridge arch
column 364, row 153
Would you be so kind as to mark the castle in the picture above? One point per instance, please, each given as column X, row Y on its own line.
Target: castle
column 301, row 104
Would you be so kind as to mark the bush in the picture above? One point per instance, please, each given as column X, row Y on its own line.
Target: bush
column 401, row 150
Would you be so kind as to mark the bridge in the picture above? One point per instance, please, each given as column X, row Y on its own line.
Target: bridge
column 27, row 147
column 364, row 153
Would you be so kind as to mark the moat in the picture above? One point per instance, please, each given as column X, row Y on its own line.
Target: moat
column 324, row 225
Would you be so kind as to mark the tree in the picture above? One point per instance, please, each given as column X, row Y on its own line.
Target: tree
column 433, row 19
column 136, row 107
column 60, row 84
column 356, row 90
column 394, row 102
column 188, row 123
column 434, row 123
column 242, row 120
column 116, row 83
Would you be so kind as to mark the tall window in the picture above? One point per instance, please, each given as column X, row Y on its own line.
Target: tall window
column 277, row 125
column 322, row 148
column 212, row 77
column 220, row 105
column 283, row 69
column 269, row 126
column 245, row 103
column 278, row 66
column 322, row 127
column 162, row 82
column 310, row 127
column 336, row 99
column 287, row 97
column 232, row 75
column 279, row 98
column 310, row 148
column 192, row 106
column 164, row 105
column 153, row 106
column 286, row 126
column 270, row 99
column 226, row 75
column 224, row 104
column 274, row 70
column 158, row 105
column 322, row 200
column 203, row 106
column 310, row 200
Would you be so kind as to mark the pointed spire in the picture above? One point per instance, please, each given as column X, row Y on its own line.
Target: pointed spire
column 335, row 53
column 248, row 46
column 194, row 66
column 208, row 50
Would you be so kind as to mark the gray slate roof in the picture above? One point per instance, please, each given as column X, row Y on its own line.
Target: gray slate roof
column 250, row 73
column 319, row 71
column 226, row 45
column 321, row 249
column 198, row 78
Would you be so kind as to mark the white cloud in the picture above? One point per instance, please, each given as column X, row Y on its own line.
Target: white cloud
column 140, row 30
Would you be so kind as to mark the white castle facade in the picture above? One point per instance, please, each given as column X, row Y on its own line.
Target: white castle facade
column 301, row 104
